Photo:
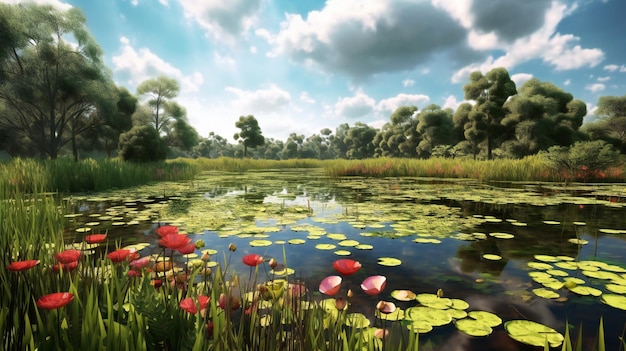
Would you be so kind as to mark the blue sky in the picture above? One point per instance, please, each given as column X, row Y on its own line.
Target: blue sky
column 303, row 65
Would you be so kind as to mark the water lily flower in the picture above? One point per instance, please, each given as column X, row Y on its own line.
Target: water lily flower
column 68, row 256
column 157, row 283
column 233, row 302
column 55, row 300
column 340, row 303
column 330, row 285
column 190, row 305
column 66, row 267
column 187, row 249
column 385, row 306
column 140, row 262
column 95, row 238
column 120, row 255
column 346, row 266
column 252, row 260
column 167, row 230
column 19, row 266
column 174, row 241
column 273, row 263
column 374, row 285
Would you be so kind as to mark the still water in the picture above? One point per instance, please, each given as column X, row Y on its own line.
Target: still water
column 435, row 234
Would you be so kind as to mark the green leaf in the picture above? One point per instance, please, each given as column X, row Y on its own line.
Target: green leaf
column 473, row 327
column 614, row 300
column 533, row 333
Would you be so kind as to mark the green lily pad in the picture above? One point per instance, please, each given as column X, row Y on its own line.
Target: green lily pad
column 539, row 265
column 546, row 293
column 552, row 222
column 258, row 243
column 325, row 246
column 618, row 289
column 342, row 253
column 432, row 316
column 348, row 243
column 473, row 327
column 457, row 314
column 427, row 241
column 557, row 272
column 600, row 275
column 364, row 247
column 533, row 333
column 613, row 300
column 357, row 320
column 389, row 261
column 403, row 295
column 459, row 304
column 546, row 258
column 420, row 327
column 585, row 290
column 502, row 235
column 492, row 257
column 578, row 241
column 296, row 241
column 486, row 318
column 396, row 315
column 336, row 236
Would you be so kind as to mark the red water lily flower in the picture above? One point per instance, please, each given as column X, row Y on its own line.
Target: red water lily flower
column 191, row 306
column 330, row 285
column 167, row 230
column 68, row 256
column 346, row 266
column 66, row 267
column 374, row 285
column 95, row 238
column 174, row 241
column 18, row 266
column 187, row 249
column 120, row 255
column 55, row 300
column 252, row 260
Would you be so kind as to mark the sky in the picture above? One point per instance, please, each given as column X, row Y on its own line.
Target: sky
column 300, row 66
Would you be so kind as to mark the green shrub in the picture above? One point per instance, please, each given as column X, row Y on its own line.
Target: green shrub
column 585, row 160
column 142, row 144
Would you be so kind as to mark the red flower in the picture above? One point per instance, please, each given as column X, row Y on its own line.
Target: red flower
column 157, row 283
column 22, row 265
column 95, row 238
column 346, row 266
column 174, row 241
column 167, row 230
column 68, row 256
column 187, row 249
column 252, row 260
column 67, row 267
column 55, row 300
column 133, row 273
column 190, row 305
column 120, row 255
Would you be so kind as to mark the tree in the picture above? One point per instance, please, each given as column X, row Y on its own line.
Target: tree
column 399, row 137
column 359, row 141
column 490, row 92
column 118, row 122
column 159, row 92
column 435, row 128
column 142, row 144
column 51, row 91
column 250, row 135
column 612, row 126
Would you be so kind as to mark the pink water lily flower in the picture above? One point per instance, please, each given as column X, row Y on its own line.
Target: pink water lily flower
column 140, row 262
column 330, row 285
column 346, row 266
column 374, row 285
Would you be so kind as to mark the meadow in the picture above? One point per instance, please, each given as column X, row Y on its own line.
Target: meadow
column 174, row 256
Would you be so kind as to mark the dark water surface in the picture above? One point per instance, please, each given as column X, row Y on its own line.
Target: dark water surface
column 389, row 214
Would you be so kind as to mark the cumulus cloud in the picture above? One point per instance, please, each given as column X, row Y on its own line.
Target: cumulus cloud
column 604, row 79
column 567, row 82
column 222, row 19
column 142, row 64
column 594, row 88
column 615, row 68
column 224, row 61
column 391, row 104
column 267, row 100
column 355, row 106
column 408, row 82
column 362, row 105
column 520, row 78
column 360, row 38
column 304, row 97
column 559, row 50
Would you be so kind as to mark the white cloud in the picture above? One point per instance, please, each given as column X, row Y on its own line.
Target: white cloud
column 567, row 82
column 408, row 83
column 142, row 64
column 224, row 61
column 614, row 68
column 556, row 49
column 222, row 19
column 54, row 3
column 451, row 102
column 356, row 106
column 520, row 78
column 270, row 99
column 391, row 104
column 304, row 97
column 594, row 88
column 604, row 79
column 134, row 2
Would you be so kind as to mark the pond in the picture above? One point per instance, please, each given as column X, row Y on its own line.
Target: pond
column 498, row 246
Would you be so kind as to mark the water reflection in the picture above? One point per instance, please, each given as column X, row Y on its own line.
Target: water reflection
column 389, row 214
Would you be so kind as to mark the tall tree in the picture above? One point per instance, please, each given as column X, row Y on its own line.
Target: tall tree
column 50, row 90
column 612, row 125
column 359, row 141
column 250, row 135
column 435, row 127
column 490, row 92
column 159, row 93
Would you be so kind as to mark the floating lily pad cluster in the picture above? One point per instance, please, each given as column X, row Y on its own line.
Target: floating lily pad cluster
column 594, row 278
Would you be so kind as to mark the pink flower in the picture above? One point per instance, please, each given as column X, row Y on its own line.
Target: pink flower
column 190, row 306
column 140, row 262
column 330, row 285
column 374, row 285
column 346, row 266
column 252, row 260
column 231, row 302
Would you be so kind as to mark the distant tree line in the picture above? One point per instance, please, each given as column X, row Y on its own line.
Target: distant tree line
column 57, row 97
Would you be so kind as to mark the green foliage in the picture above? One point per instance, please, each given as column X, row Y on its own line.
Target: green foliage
column 584, row 161
column 142, row 144
column 250, row 135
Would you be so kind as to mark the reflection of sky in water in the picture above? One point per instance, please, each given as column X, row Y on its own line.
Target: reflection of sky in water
column 453, row 265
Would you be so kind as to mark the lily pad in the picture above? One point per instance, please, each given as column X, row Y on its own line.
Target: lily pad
column 486, row 318
column 433, row 316
column 419, row 326
column 613, row 300
column 403, row 295
column 546, row 293
column 259, row 243
column 459, row 304
column 539, row 265
column 348, row 243
column 618, row 289
column 357, row 320
column 325, row 246
column 546, row 258
column 473, row 327
column 492, row 257
column 296, row 241
column 389, row 261
column 585, row 290
column 533, row 333
column 342, row 253
column 364, row 247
